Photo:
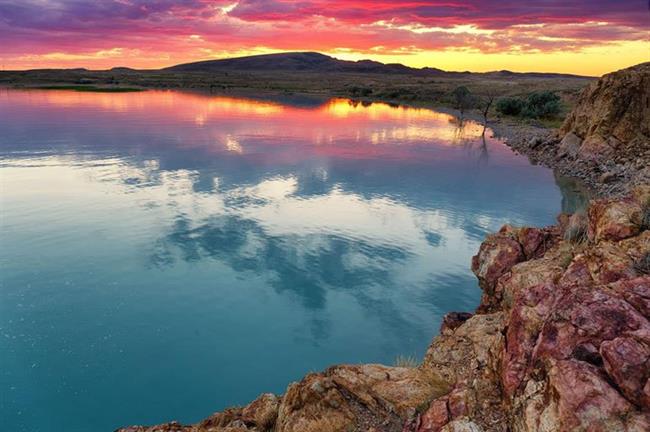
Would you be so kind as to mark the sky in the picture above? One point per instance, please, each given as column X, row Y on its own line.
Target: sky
column 588, row 37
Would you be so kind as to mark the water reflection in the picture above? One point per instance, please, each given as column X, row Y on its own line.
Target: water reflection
column 194, row 235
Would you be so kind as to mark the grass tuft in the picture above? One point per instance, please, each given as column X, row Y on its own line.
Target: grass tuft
column 576, row 230
column 406, row 361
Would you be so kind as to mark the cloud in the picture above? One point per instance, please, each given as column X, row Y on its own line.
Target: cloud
column 187, row 28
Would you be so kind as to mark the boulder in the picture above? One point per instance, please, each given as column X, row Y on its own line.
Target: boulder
column 496, row 256
column 570, row 145
column 627, row 362
column 614, row 219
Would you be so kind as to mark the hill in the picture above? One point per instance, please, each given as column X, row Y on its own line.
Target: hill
column 291, row 62
column 317, row 62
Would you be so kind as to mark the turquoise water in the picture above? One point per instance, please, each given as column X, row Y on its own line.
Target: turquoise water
column 165, row 255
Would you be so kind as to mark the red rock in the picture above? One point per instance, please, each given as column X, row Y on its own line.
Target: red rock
column 457, row 404
column 577, row 273
column 627, row 361
column 609, row 262
column 530, row 311
column 435, row 417
column 636, row 292
column 496, row 256
column 585, row 315
column 536, row 241
column 584, row 399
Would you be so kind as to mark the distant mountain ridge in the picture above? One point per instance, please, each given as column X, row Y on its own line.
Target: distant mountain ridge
column 317, row 62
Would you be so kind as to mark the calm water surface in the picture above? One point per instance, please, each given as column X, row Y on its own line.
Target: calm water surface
column 165, row 255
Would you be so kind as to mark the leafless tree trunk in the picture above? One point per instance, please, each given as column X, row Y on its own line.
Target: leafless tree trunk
column 491, row 96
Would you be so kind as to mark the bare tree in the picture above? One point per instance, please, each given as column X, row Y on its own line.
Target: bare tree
column 487, row 104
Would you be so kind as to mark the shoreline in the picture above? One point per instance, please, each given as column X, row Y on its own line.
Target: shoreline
column 561, row 339
column 518, row 134
column 557, row 342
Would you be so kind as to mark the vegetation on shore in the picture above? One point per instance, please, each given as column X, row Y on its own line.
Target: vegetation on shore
column 88, row 88
column 434, row 90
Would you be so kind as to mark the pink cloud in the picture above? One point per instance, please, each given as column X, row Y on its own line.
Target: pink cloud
column 162, row 28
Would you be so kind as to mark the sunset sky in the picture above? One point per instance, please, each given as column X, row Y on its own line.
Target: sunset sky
column 589, row 37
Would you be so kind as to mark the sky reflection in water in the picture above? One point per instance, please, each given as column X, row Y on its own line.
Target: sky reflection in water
column 167, row 254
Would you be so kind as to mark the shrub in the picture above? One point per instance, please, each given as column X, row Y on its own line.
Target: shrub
column 536, row 105
column 541, row 104
column 510, row 106
column 463, row 98
column 360, row 91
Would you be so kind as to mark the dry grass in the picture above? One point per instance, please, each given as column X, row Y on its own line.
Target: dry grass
column 406, row 361
column 576, row 230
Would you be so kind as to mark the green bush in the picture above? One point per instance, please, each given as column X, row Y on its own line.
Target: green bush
column 360, row 91
column 510, row 106
column 463, row 98
column 541, row 104
column 536, row 105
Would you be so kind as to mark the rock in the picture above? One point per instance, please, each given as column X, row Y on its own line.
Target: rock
column 496, row 256
column 461, row 425
column 536, row 241
column 530, row 311
column 535, row 142
column 167, row 427
column 452, row 320
column 349, row 396
column 627, row 361
column 608, row 126
column 570, row 144
column 262, row 412
column 607, row 177
column 583, row 400
column 435, row 417
column 614, row 107
column 468, row 360
column 641, row 195
column 614, row 219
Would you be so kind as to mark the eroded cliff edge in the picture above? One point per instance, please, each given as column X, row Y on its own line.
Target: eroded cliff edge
column 605, row 140
column 561, row 339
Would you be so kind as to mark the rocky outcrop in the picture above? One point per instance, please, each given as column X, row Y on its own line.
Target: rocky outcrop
column 605, row 140
column 612, row 115
column 342, row 398
column 560, row 342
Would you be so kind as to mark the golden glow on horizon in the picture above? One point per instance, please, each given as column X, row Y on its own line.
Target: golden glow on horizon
column 593, row 61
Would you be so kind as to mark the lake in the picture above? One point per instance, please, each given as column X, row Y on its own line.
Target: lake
column 165, row 254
